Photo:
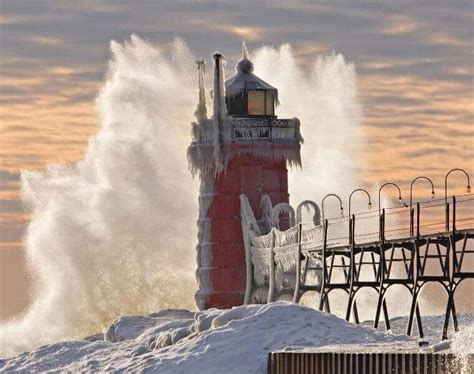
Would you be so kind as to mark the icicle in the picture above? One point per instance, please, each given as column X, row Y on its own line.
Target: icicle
column 307, row 204
column 201, row 110
column 267, row 206
column 220, row 109
column 282, row 208
column 250, row 231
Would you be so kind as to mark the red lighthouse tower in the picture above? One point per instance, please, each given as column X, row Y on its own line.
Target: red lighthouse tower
column 243, row 149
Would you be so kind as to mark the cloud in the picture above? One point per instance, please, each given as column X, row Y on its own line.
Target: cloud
column 11, row 206
column 246, row 32
column 14, row 20
column 9, row 176
column 446, row 40
column 396, row 25
column 44, row 40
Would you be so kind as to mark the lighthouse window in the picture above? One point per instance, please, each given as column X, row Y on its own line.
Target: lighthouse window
column 270, row 110
column 256, row 103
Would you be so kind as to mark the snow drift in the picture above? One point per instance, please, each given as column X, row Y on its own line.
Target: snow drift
column 213, row 341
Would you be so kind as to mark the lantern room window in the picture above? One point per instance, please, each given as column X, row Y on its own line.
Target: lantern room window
column 256, row 103
column 270, row 103
column 261, row 103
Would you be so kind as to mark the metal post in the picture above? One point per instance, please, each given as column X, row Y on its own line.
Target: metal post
column 446, row 207
column 298, row 265
column 418, row 213
column 323, row 295
column 355, row 311
column 271, row 288
column 350, row 229
column 382, row 226
column 452, row 267
column 353, row 228
column 454, row 214
column 352, row 273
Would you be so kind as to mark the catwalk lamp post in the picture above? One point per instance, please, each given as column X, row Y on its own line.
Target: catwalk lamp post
column 411, row 199
column 350, row 199
column 399, row 193
column 382, row 227
column 468, row 189
column 340, row 204
column 350, row 206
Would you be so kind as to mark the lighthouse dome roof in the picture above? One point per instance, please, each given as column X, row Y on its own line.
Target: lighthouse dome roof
column 244, row 80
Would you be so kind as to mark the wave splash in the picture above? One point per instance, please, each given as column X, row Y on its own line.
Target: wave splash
column 114, row 234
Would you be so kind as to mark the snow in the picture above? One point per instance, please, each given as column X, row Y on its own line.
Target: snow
column 237, row 340
column 432, row 326
column 213, row 341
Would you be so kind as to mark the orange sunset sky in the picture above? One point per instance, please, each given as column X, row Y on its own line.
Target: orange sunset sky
column 414, row 61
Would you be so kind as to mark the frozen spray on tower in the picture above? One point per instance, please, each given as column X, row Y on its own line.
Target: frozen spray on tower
column 243, row 149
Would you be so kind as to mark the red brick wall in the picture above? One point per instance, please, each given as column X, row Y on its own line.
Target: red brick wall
column 253, row 177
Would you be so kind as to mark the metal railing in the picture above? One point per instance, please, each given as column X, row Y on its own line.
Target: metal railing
column 238, row 130
column 340, row 259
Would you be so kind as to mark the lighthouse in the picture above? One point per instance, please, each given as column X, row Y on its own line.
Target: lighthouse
column 242, row 149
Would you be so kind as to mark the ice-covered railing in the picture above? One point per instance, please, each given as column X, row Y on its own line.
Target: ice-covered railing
column 272, row 257
column 274, row 129
column 268, row 138
column 351, row 253
column 424, row 218
column 250, row 129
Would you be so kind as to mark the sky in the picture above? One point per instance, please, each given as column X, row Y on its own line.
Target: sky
column 414, row 60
